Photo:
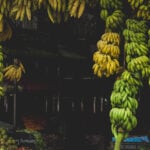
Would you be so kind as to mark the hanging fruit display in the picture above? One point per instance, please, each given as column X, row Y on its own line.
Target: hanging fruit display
column 129, row 32
column 106, row 58
column 137, row 51
column 111, row 12
column 57, row 10
column 14, row 72
column 125, row 92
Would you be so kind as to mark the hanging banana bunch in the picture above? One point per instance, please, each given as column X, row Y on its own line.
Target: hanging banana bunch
column 21, row 9
column 6, row 34
column 57, row 10
column 4, row 12
column 37, row 4
column 144, row 11
column 108, row 45
column 5, row 7
column 135, row 4
column 1, row 23
column 76, row 8
column 125, row 91
column 111, row 12
column 106, row 57
column 137, row 50
column 14, row 72
column 141, row 8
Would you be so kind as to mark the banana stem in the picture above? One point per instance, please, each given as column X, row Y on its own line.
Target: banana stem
column 119, row 139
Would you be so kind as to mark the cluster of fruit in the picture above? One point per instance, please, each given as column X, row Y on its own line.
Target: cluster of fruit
column 6, row 141
column 141, row 7
column 144, row 11
column 21, row 9
column 124, row 95
column 76, row 8
column 5, row 7
column 34, row 123
column 106, row 57
column 14, row 72
column 5, row 28
column 6, row 33
column 111, row 12
column 56, row 10
column 137, row 51
column 135, row 4
column 124, row 103
column 1, row 72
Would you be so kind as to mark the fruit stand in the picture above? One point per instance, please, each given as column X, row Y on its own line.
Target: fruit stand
column 84, row 58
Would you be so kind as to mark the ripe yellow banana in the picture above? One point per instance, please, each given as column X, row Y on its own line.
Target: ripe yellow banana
column 81, row 8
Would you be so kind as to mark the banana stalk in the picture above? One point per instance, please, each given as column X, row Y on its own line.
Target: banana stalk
column 119, row 140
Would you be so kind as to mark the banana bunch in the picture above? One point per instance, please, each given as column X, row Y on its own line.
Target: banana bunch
column 135, row 4
column 5, row 7
column 104, row 13
column 130, row 35
column 111, row 12
column 76, row 8
column 14, row 72
column 104, row 65
column 21, row 9
column 123, row 100
column 109, row 44
column 6, row 34
column 109, row 4
column 136, row 26
column 58, row 5
column 37, row 4
column 138, row 64
column 1, row 23
column 122, row 118
column 122, row 86
column 115, row 20
column 131, row 78
column 144, row 11
column 124, row 105
column 108, row 49
column 111, row 37
column 106, row 57
column 57, row 10
column 145, row 72
column 4, row 10
column 136, row 49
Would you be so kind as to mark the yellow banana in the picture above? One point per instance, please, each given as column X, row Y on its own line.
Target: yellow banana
column 28, row 13
column 81, row 8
